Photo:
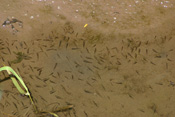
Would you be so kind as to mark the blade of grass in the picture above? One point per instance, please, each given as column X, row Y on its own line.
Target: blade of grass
column 11, row 71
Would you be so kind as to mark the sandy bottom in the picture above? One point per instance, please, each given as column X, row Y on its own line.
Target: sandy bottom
column 120, row 65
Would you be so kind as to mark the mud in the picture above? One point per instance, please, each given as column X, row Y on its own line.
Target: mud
column 121, row 64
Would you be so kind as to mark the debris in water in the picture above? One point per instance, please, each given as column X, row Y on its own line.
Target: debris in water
column 85, row 25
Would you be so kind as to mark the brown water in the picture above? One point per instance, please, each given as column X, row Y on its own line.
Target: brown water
column 120, row 65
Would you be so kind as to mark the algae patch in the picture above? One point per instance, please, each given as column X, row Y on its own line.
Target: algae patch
column 19, row 57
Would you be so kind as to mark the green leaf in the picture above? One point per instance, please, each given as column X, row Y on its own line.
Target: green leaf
column 11, row 71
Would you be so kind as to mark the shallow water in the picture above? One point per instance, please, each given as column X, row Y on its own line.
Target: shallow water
column 120, row 64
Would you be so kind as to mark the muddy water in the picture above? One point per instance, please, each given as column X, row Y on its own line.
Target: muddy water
column 121, row 64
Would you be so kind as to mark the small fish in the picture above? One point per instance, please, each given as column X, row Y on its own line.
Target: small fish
column 55, row 66
column 95, row 50
column 152, row 63
column 154, row 51
column 67, row 45
column 75, row 48
column 60, row 43
column 86, row 91
column 37, row 56
column 87, row 50
column 40, row 72
column 87, row 61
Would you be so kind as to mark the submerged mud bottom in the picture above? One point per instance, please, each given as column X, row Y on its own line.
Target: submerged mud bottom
column 120, row 64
